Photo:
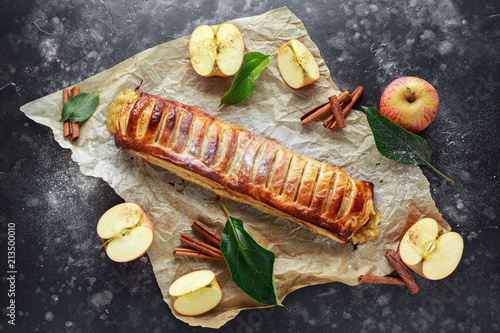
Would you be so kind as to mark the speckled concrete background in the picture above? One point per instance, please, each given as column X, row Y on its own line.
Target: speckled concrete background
column 63, row 284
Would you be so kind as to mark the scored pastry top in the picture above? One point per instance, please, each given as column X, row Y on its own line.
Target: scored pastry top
column 243, row 166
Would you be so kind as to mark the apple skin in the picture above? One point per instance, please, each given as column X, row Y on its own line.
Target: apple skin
column 410, row 102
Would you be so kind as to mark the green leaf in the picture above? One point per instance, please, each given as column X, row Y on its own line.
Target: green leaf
column 398, row 144
column 251, row 266
column 242, row 87
column 80, row 107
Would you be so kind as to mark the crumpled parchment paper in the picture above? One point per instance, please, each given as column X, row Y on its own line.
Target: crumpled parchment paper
column 273, row 110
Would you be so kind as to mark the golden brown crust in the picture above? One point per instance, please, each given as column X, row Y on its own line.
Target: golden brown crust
column 245, row 167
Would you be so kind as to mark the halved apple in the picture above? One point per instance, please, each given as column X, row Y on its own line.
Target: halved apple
column 430, row 250
column 296, row 64
column 126, row 231
column 216, row 50
column 195, row 293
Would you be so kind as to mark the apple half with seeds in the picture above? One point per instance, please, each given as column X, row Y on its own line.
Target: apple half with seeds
column 195, row 293
column 216, row 50
column 126, row 232
column 430, row 250
column 296, row 64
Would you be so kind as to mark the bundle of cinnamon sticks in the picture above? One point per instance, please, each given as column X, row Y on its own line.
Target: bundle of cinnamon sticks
column 71, row 129
column 198, row 248
column 405, row 276
column 339, row 106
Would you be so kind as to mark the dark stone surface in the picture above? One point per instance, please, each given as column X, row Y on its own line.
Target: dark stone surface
column 63, row 285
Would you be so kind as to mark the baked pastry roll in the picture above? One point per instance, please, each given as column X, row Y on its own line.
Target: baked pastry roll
column 242, row 166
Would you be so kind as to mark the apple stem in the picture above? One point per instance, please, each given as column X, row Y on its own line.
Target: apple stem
column 223, row 207
column 105, row 243
column 412, row 94
column 440, row 173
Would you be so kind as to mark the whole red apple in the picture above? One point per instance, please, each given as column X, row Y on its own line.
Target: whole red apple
column 410, row 102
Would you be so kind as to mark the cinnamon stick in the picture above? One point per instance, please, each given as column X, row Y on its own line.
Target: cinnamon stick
column 198, row 248
column 337, row 112
column 402, row 270
column 74, row 130
column 199, row 245
column 323, row 109
column 315, row 113
column 75, row 91
column 344, row 97
column 356, row 94
column 187, row 252
column 66, row 124
column 209, row 234
column 380, row 279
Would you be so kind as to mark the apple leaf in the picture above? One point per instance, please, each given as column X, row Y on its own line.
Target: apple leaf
column 398, row 144
column 242, row 87
column 80, row 107
column 251, row 266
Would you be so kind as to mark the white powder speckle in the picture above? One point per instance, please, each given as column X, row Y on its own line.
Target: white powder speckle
column 445, row 47
column 101, row 299
column 32, row 202
column 471, row 236
column 348, row 11
column 490, row 212
column 386, row 312
column 427, row 35
column 369, row 323
column 48, row 49
column 384, row 299
column 49, row 316
column 361, row 10
column 54, row 299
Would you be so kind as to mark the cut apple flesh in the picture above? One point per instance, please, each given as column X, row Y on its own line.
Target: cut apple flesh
column 195, row 293
column 296, row 64
column 305, row 59
column 117, row 219
column 216, row 50
column 191, row 282
column 203, row 50
column 199, row 301
column 417, row 241
column 133, row 243
column 443, row 261
column 230, row 49
column 289, row 67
